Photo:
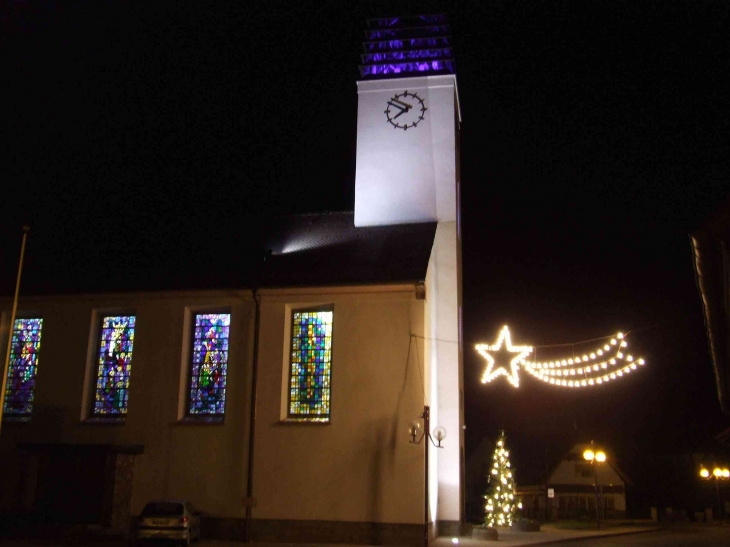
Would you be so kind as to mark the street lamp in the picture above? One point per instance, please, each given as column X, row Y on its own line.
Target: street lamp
column 719, row 474
column 595, row 458
column 440, row 434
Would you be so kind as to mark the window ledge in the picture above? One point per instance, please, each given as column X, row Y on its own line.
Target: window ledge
column 201, row 420
column 98, row 420
column 305, row 421
column 16, row 419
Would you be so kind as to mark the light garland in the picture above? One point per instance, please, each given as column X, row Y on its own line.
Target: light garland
column 602, row 365
column 592, row 356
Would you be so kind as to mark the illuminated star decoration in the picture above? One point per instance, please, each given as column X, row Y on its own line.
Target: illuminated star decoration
column 520, row 352
column 600, row 366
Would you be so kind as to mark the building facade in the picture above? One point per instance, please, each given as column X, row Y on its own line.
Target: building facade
column 573, row 488
column 277, row 400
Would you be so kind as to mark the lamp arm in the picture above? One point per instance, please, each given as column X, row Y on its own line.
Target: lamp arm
column 434, row 443
column 414, row 441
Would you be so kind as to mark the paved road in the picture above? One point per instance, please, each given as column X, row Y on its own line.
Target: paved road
column 674, row 537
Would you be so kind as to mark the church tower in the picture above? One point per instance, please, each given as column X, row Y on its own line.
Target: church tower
column 408, row 172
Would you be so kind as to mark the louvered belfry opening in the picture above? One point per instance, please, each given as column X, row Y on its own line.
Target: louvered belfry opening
column 397, row 47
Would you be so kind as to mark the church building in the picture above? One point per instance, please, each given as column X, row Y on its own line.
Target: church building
column 276, row 395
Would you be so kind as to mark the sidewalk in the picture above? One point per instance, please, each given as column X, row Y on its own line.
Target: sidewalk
column 548, row 534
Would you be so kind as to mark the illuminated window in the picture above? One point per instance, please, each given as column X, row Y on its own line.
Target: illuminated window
column 24, row 347
column 209, row 364
column 311, row 365
column 114, row 365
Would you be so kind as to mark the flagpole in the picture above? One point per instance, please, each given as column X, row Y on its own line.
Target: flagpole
column 11, row 326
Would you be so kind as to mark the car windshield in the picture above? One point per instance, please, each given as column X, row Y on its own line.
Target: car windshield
column 162, row 509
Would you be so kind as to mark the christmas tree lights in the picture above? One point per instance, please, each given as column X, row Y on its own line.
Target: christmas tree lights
column 502, row 504
column 601, row 365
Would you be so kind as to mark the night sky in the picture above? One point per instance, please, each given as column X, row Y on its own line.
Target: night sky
column 594, row 137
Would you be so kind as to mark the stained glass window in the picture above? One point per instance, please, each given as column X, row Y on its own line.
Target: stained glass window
column 311, row 365
column 114, row 365
column 209, row 365
column 24, row 347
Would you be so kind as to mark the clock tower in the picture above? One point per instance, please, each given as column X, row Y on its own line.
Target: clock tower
column 407, row 124
column 407, row 172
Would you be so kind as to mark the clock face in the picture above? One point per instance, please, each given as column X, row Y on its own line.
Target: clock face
column 405, row 110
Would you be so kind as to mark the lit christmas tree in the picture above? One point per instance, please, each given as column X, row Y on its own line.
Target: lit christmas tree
column 502, row 502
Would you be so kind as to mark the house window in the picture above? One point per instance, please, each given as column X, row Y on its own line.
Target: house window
column 311, row 365
column 209, row 364
column 114, row 365
column 23, row 366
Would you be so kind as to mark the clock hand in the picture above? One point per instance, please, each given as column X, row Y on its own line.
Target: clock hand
column 403, row 111
column 408, row 106
column 398, row 106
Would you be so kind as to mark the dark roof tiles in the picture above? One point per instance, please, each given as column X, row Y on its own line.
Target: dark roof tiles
column 313, row 249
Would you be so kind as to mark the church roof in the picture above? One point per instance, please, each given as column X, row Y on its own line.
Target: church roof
column 327, row 249
column 709, row 246
column 322, row 249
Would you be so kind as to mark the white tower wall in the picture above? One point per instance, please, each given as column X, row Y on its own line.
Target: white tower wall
column 409, row 176
column 443, row 355
column 406, row 176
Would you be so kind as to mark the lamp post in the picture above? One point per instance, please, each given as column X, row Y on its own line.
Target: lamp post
column 440, row 434
column 595, row 458
column 719, row 474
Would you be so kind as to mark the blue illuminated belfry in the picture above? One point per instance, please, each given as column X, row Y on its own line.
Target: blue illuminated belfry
column 407, row 46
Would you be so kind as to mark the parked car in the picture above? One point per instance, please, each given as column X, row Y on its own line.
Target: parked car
column 175, row 520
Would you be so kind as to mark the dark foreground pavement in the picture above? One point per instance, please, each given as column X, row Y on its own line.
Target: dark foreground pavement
column 675, row 535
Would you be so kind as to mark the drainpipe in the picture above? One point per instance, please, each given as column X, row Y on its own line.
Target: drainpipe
column 252, row 414
column 426, row 439
column 11, row 326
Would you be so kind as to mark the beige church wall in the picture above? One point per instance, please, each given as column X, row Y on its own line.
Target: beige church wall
column 11, row 467
column 360, row 467
column 201, row 462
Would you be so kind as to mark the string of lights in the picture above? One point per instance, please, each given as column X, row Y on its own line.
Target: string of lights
column 586, row 381
column 592, row 356
column 602, row 365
